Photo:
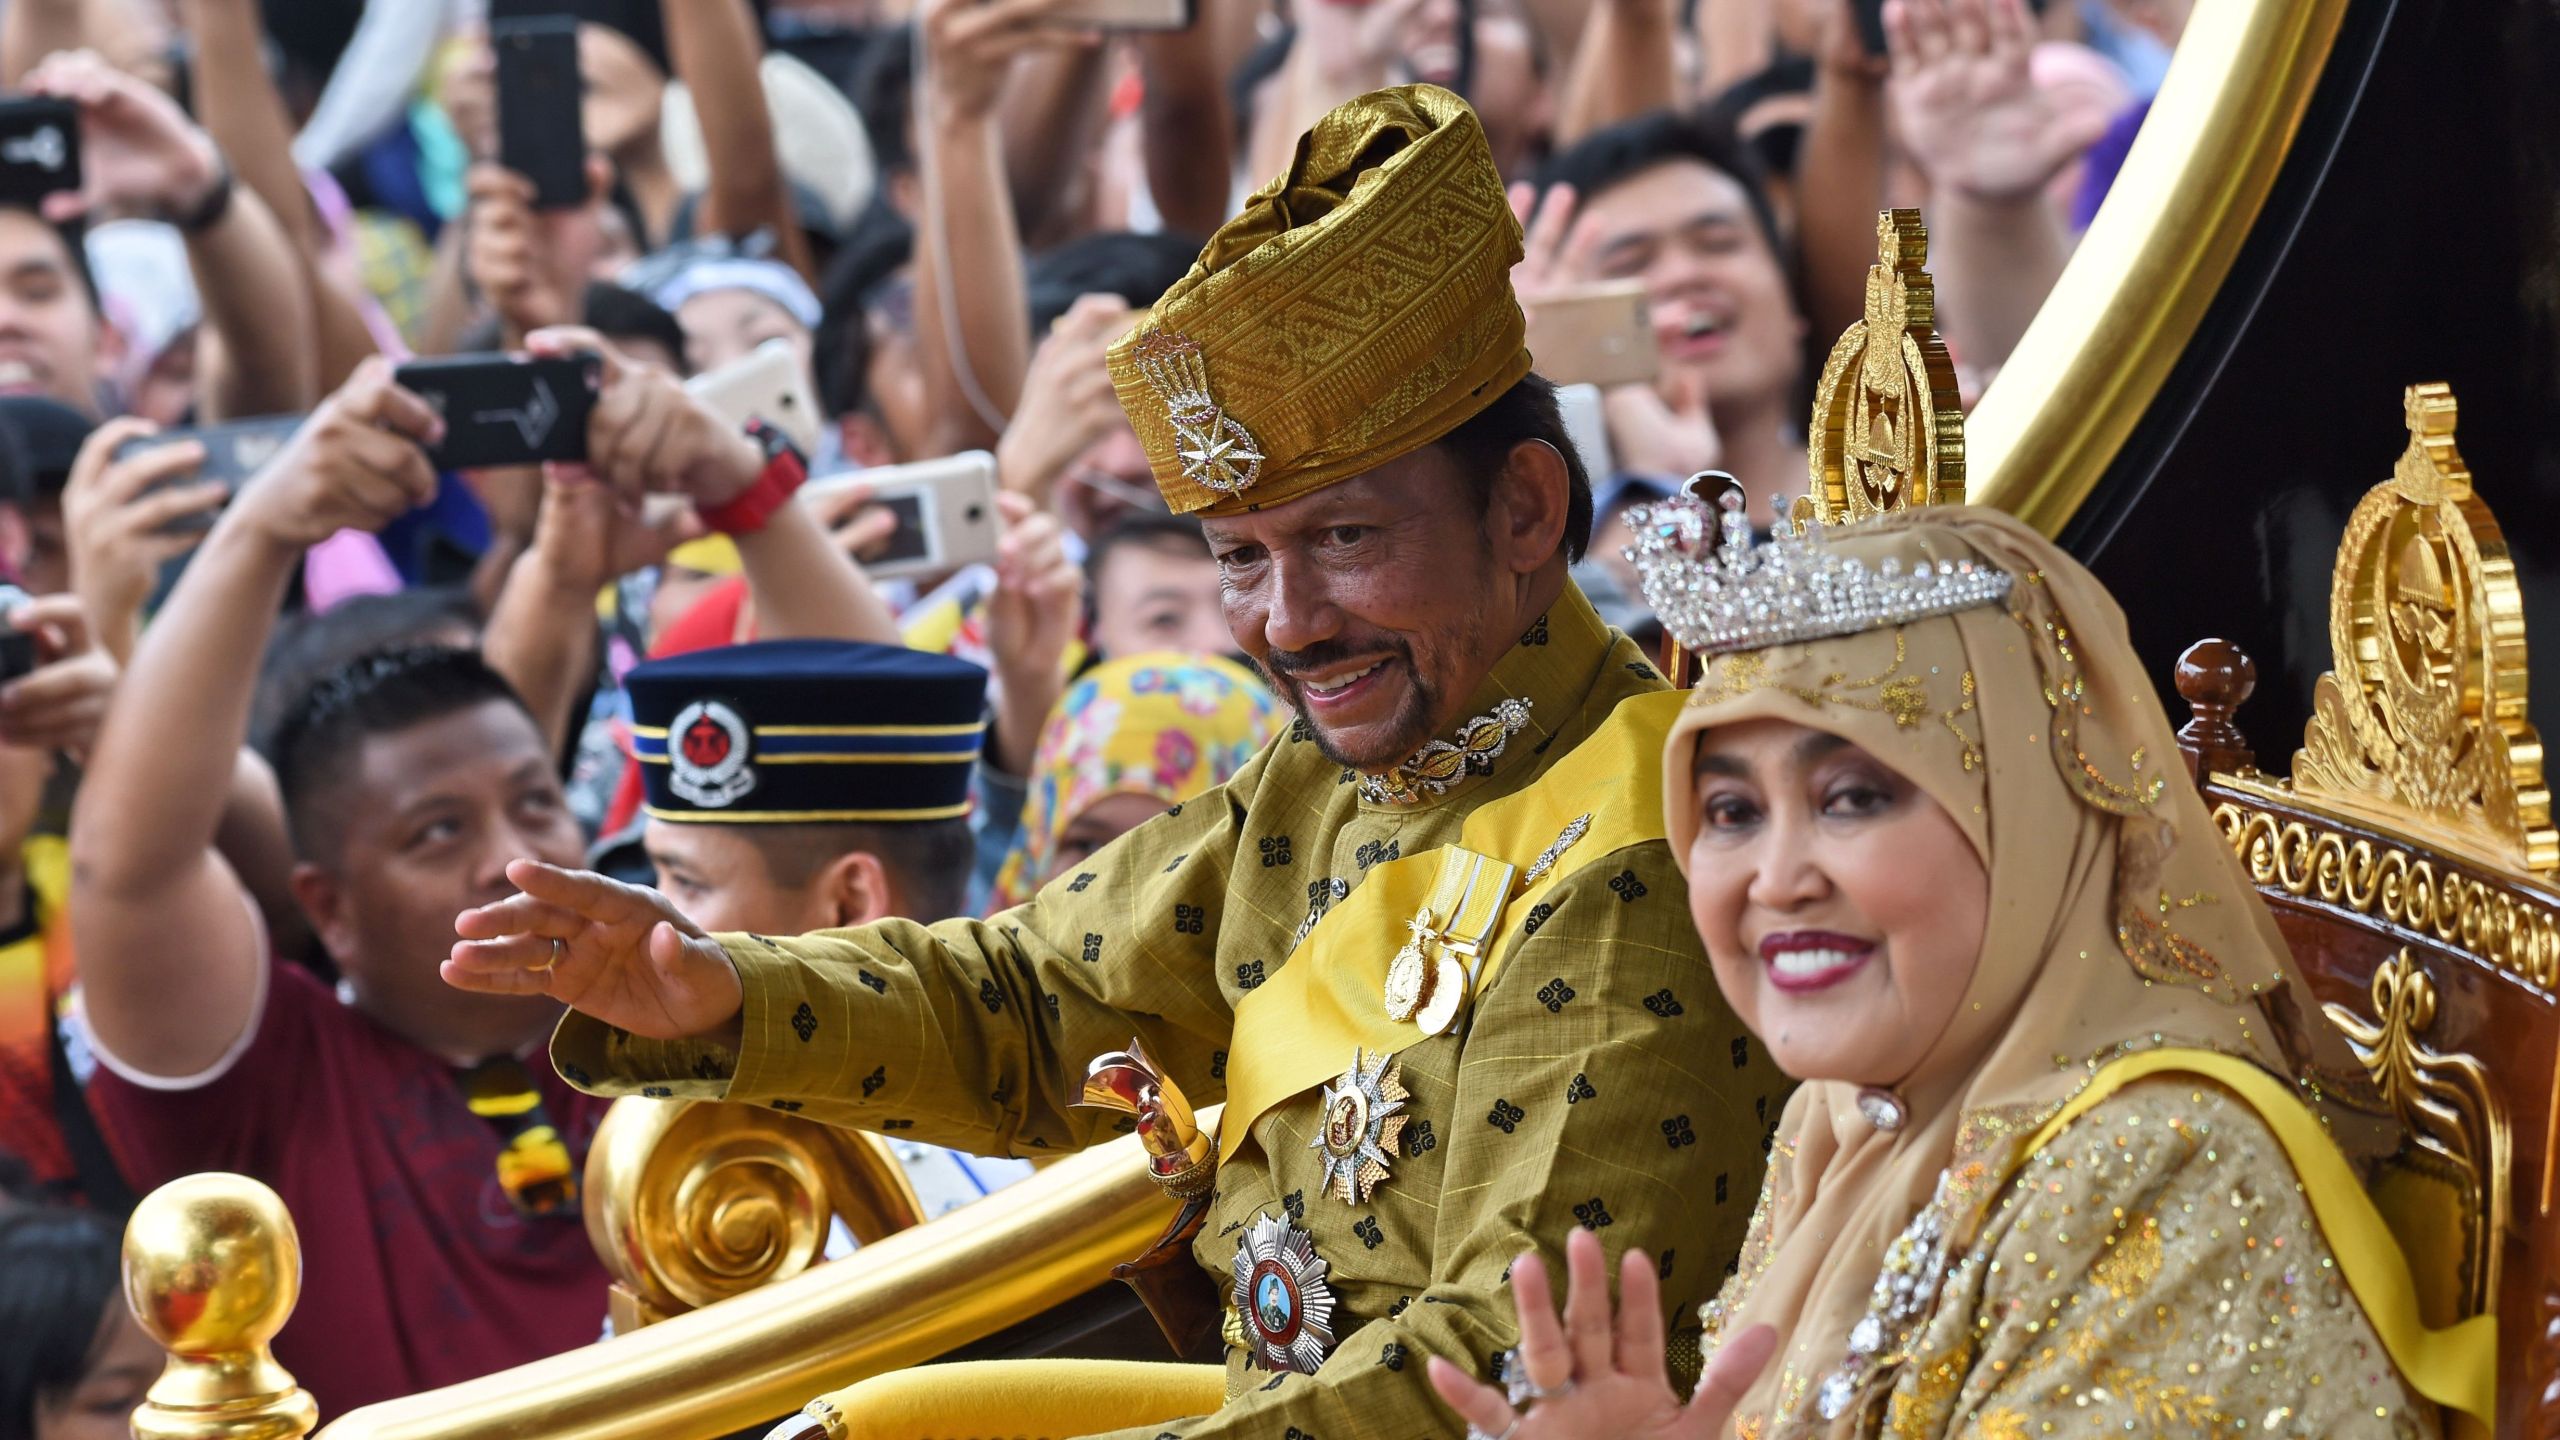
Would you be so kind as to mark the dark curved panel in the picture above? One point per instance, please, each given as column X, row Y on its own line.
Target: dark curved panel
column 2414, row 235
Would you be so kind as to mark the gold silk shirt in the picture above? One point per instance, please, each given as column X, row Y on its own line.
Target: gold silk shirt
column 1598, row 1081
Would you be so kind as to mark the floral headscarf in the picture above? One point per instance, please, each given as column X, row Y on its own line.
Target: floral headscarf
column 1168, row 726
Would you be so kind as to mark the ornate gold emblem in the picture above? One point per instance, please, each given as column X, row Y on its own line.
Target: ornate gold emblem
column 2421, row 718
column 1363, row 1123
column 1437, row 766
column 1216, row 450
column 1409, row 973
column 2444, row 1102
column 1888, row 424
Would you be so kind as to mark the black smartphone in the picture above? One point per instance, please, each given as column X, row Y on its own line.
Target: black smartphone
column 501, row 410
column 234, row 451
column 1870, row 18
column 541, row 135
column 17, row 647
column 39, row 147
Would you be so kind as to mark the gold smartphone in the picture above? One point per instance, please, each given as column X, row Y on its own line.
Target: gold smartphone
column 1122, row 14
column 1595, row 335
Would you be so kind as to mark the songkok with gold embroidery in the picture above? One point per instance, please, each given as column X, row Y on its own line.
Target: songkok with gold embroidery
column 1358, row 309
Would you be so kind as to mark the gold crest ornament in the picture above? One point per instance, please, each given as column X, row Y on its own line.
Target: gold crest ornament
column 1409, row 973
column 1358, row 308
column 1888, row 423
column 2423, row 711
column 1363, row 1123
column 1283, row 1297
column 1441, row 764
column 1216, row 451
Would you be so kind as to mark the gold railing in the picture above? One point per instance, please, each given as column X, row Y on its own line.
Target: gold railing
column 221, row 1250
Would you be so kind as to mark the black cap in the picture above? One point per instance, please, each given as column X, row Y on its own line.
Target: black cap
column 807, row 731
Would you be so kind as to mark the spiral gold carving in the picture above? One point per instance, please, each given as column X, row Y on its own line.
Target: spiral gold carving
column 1888, row 425
column 2444, row 1102
column 691, row 1202
column 2509, row 927
column 2422, row 716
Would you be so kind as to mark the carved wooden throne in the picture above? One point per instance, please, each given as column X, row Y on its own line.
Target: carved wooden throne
column 2410, row 860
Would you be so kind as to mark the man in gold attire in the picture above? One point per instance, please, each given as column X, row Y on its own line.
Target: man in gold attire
column 1429, row 948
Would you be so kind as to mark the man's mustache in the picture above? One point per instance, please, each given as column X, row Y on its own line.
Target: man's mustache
column 1325, row 656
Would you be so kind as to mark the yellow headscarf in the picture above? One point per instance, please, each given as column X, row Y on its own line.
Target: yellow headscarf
column 2119, row 920
column 1358, row 309
column 1167, row 726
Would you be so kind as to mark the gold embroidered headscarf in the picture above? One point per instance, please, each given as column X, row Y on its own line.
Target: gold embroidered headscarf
column 2119, row 919
column 1358, row 309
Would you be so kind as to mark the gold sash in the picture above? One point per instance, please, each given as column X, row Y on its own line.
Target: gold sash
column 1295, row 1031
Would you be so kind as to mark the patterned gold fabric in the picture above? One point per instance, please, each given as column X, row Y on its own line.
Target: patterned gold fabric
column 2153, row 1270
column 1359, row 308
column 1600, row 1080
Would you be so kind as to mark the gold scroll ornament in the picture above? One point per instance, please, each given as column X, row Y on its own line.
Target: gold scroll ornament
column 2421, row 719
column 1888, row 424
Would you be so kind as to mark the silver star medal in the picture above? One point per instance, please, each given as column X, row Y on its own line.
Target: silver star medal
column 1362, row 1121
column 1283, row 1296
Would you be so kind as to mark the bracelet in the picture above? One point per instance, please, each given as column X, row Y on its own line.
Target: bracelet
column 216, row 203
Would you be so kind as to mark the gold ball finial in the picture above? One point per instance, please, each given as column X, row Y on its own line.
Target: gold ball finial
column 212, row 1268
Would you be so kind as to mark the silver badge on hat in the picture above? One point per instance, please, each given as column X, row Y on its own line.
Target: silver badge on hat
column 707, row 750
column 1215, row 449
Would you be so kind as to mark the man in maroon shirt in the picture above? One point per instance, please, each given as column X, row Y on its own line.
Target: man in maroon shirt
column 426, row 1150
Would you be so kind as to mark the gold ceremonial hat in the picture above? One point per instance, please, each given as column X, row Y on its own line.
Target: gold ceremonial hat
column 1359, row 309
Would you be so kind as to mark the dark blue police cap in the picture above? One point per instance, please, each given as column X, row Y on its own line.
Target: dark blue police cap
column 789, row 732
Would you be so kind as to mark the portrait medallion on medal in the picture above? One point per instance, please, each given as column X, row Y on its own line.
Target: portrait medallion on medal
column 1281, row 1291
column 1363, row 1122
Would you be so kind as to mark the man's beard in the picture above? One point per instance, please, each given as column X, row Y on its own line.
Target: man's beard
column 1406, row 732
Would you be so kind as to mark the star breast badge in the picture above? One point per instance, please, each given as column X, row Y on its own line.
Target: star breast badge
column 1216, row 451
column 1363, row 1123
column 1283, row 1297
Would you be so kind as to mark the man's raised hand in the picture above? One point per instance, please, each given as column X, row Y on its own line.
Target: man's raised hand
column 620, row 953
column 646, row 435
column 356, row 464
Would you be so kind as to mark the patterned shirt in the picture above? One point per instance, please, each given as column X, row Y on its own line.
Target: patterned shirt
column 1599, row 1081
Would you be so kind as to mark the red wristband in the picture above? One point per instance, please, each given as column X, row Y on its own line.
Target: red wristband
column 783, row 474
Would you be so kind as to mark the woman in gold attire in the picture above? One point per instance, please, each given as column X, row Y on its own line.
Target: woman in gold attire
column 2051, row 1171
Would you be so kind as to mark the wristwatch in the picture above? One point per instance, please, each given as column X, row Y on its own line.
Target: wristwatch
column 785, row 471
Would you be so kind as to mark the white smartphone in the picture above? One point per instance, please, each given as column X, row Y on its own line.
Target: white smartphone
column 768, row 383
column 946, row 512
column 1586, row 426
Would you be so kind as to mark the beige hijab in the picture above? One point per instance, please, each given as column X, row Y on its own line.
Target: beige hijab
column 2119, row 919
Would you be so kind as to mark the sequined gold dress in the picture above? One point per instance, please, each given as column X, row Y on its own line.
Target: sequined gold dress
column 2154, row 1270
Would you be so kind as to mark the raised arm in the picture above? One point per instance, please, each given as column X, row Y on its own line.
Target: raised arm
column 647, row 436
column 144, row 866
column 542, row 633
column 974, row 336
column 241, row 109
column 714, row 48
column 1990, row 142
column 1842, row 185
column 1184, row 119
column 1626, row 65
column 970, row 1034
column 140, row 152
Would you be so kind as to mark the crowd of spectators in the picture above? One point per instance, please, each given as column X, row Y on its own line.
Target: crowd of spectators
column 276, row 734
